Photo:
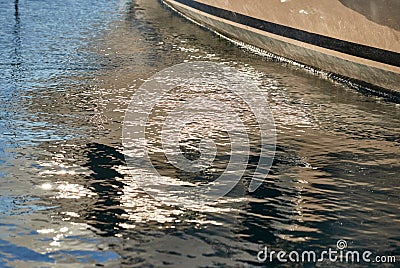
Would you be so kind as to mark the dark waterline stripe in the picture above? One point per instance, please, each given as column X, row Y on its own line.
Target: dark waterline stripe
column 350, row 48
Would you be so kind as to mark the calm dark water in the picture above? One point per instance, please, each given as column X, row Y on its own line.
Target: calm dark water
column 68, row 70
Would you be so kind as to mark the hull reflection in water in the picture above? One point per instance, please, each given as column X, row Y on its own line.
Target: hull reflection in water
column 355, row 40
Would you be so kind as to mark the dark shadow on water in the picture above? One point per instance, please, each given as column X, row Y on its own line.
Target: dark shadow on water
column 106, row 214
column 17, row 61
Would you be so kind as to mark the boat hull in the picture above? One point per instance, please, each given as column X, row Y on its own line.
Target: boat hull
column 344, row 42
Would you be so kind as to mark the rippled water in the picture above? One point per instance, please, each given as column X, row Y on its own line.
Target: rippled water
column 68, row 70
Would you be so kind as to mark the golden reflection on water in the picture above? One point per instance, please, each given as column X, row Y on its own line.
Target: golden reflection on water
column 301, row 121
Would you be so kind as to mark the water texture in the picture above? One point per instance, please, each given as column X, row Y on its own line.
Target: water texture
column 68, row 70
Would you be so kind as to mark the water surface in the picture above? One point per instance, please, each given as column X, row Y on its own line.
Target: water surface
column 68, row 70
